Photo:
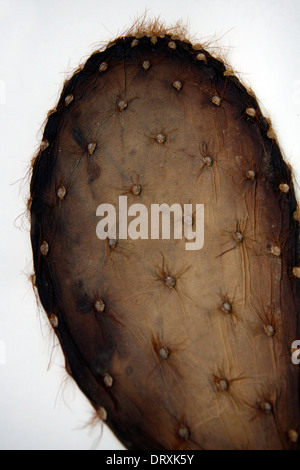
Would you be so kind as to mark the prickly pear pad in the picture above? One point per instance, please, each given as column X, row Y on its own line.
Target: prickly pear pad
column 174, row 348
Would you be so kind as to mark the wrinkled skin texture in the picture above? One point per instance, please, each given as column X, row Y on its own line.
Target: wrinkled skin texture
column 184, row 349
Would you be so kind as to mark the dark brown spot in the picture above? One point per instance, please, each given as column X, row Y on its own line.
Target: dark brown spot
column 79, row 137
column 93, row 171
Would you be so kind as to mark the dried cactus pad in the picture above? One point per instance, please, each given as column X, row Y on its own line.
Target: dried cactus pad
column 175, row 348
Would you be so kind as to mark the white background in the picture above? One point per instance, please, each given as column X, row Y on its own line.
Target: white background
column 41, row 41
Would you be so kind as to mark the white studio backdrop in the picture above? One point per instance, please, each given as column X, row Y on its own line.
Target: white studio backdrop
column 41, row 42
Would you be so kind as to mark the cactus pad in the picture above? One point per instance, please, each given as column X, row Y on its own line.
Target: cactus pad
column 174, row 348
